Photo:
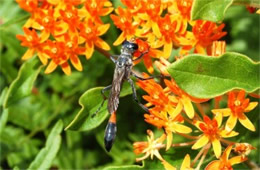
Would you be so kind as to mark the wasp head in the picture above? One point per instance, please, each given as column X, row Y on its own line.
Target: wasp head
column 129, row 47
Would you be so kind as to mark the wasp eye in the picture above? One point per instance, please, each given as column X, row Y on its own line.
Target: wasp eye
column 135, row 46
column 125, row 43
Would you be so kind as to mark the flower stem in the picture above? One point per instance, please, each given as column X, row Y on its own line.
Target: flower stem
column 199, row 154
column 203, row 156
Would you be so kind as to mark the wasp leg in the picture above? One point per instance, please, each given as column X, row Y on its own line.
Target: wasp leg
column 151, row 77
column 135, row 96
column 104, row 98
column 110, row 132
column 142, row 54
column 114, row 58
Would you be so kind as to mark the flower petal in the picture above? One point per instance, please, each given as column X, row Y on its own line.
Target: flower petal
column 228, row 134
column 237, row 160
column 186, row 163
column 225, row 112
column 28, row 54
column 51, row 67
column 226, row 153
column 102, row 44
column 156, row 29
column 216, row 147
column 176, row 111
column 201, row 142
column 213, row 165
column 251, row 106
column 103, row 29
column 44, row 36
column 66, row 68
column 43, row 57
column 181, row 128
column 167, row 49
column 169, row 140
column 168, row 166
column 187, row 106
column 89, row 50
column 120, row 39
column 219, row 118
column 246, row 123
column 76, row 62
column 231, row 123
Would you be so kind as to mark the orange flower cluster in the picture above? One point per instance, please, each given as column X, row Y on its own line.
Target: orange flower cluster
column 60, row 31
column 171, row 109
column 165, row 25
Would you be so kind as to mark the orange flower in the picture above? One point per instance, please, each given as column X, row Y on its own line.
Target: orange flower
column 143, row 47
column 151, row 11
column 170, row 121
column 55, row 51
column 162, row 65
column 149, row 148
column 212, row 133
column 124, row 22
column 237, row 106
column 184, row 7
column 28, row 5
column 33, row 42
column 90, row 33
column 224, row 163
column 205, row 33
column 243, row 149
column 217, row 49
column 95, row 9
column 183, row 98
column 47, row 23
column 134, row 6
column 165, row 114
column 168, row 28
column 64, row 23
column 157, row 97
column 32, row 5
column 71, row 17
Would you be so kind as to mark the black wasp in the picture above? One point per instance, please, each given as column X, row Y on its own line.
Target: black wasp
column 123, row 71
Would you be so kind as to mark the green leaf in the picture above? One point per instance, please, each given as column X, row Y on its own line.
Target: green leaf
column 207, row 77
column 47, row 154
column 89, row 102
column 212, row 10
column 23, row 84
column 3, row 120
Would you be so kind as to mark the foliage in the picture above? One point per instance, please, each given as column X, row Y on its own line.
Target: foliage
column 202, row 91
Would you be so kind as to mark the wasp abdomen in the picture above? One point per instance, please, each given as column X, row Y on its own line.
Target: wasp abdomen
column 110, row 135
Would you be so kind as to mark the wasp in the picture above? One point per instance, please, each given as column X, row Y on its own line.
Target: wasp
column 123, row 72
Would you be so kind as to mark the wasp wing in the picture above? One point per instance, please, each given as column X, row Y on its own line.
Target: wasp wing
column 113, row 100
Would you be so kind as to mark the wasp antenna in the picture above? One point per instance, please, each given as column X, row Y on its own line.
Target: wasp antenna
column 110, row 132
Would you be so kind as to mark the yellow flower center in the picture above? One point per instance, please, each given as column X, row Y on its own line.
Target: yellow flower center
column 166, row 27
column 46, row 20
column 29, row 38
column 152, row 6
column 123, row 20
column 93, row 5
column 237, row 103
column 88, row 30
column 69, row 44
column 54, row 50
column 68, row 14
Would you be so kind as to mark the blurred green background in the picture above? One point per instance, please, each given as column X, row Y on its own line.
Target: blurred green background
column 30, row 120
